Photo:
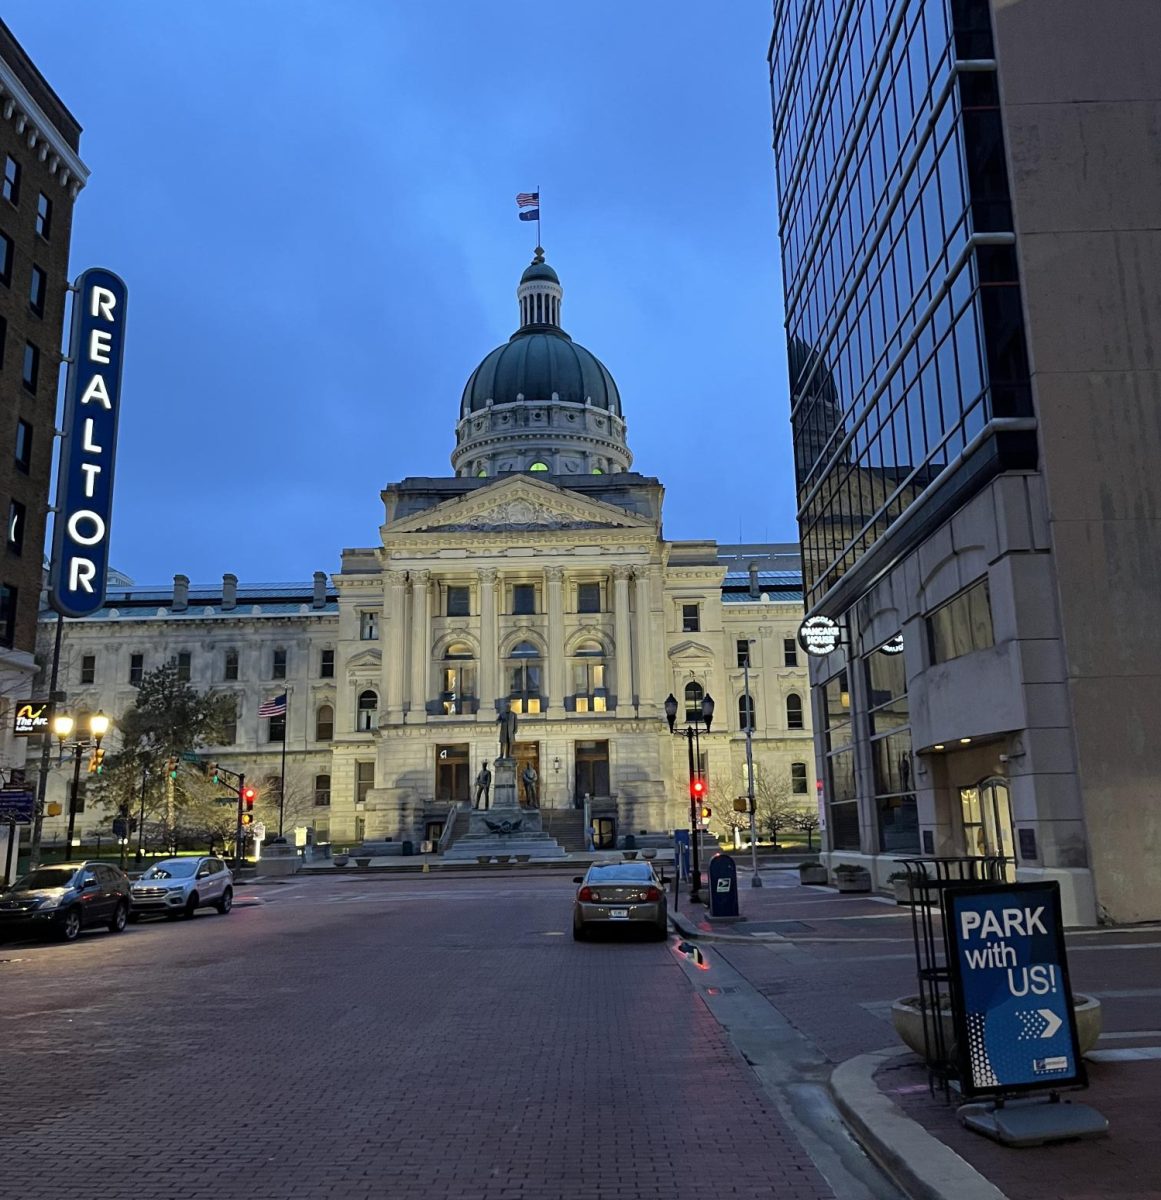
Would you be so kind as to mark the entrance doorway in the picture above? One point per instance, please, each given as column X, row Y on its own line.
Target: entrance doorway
column 528, row 755
column 592, row 771
column 987, row 822
column 453, row 771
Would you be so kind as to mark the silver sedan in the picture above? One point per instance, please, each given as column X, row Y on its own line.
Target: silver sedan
column 619, row 895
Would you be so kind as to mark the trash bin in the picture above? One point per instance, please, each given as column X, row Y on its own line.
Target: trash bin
column 408, row 848
column 630, row 842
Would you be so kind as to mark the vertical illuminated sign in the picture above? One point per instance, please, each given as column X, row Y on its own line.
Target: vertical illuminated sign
column 84, row 494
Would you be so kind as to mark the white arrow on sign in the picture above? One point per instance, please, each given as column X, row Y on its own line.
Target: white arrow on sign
column 1054, row 1022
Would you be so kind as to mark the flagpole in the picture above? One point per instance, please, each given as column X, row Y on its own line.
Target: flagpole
column 282, row 777
column 539, row 239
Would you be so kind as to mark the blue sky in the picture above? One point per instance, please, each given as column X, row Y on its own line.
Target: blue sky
column 312, row 202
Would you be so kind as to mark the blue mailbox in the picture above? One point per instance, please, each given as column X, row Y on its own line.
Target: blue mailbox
column 723, row 878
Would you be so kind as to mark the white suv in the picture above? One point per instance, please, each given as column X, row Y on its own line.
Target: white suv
column 178, row 887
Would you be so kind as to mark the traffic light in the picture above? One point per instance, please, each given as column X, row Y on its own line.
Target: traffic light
column 97, row 761
column 171, row 767
column 214, row 772
column 249, row 795
column 706, row 812
column 742, row 804
column 697, row 788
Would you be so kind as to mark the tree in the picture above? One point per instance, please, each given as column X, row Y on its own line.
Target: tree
column 775, row 806
column 807, row 822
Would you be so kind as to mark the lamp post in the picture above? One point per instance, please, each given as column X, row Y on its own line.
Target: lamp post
column 693, row 746
column 756, row 879
column 62, row 726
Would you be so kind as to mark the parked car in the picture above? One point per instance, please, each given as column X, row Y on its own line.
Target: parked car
column 60, row 901
column 178, row 887
column 620, row 895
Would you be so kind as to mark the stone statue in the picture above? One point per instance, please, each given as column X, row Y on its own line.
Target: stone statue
column 507, row 722
column 484, row 787
column 530, row 777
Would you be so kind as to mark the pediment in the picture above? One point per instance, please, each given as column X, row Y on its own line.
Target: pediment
column 689, row 650
column 520, row 504
column 363, row 660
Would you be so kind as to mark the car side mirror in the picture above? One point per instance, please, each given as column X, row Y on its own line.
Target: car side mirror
column 578, row 879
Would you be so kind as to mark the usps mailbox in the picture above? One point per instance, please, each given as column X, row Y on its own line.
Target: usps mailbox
column 723, row 875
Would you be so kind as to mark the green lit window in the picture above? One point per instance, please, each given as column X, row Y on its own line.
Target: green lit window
column 538, row 466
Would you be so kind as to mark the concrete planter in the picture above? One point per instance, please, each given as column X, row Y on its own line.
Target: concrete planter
column 815, row 873
column 483, row 858
column 363, row 860
column 523, row 858
column 341, row 860
column 907, row 1018
column 858, row 880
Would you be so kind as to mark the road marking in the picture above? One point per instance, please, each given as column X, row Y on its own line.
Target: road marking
column 1129, row 1054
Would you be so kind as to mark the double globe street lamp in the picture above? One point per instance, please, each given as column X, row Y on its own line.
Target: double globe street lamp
column 696, row 782
column 63, row 726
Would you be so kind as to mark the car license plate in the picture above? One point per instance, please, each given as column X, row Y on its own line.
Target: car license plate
column 618, row 914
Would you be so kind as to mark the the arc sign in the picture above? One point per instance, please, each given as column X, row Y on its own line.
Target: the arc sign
column 819, row 636
column 84, row 494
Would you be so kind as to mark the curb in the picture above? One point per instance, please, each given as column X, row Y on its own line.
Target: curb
column 919, row 1163
column 684, row 926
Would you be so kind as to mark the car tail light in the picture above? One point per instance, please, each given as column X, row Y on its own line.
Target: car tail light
column 587, row 893
column 653, row 895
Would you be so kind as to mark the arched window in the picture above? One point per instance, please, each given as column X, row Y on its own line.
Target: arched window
column 322, row 791
column 693, row 698
column 746, row 719
column 590, row 691
column 459, row 680
column 538, row 466
column 368, row 711
column 524, row 668
column 794, row 711
column 324, row 723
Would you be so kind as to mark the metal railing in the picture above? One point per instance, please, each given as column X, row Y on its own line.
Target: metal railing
column 448, row 828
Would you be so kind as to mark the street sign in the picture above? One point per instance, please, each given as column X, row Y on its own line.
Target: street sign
column 1012, row 999
column 17, row 805
column 191, row 756
column 259, row 831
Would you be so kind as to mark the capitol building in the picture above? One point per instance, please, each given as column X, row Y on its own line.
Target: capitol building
column 535, row 576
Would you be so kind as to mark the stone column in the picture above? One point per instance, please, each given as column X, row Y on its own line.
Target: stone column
column 624, row 656
column 394, row 647
column 420, row 645
column 488, row 650
column 554, row 587
column 643, row 648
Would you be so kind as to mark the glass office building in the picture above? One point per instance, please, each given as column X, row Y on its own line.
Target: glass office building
column 938, row 212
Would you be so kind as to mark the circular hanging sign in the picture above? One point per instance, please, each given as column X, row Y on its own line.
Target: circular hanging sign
column 819, row 636
column 893, row 645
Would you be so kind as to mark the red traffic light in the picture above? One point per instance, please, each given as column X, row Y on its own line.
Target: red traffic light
column 249, row 795
column 697, row 788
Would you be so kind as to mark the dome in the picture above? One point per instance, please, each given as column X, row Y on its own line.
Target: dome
column 539, row 270
column 539, row 366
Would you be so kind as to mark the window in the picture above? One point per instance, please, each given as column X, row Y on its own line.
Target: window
column 229, row 729
column 962, row 625
column 8, row 598
column 742, row 646
column 745, row 712
column 5, row 260
column 588, row 598
column 459, row 601
column 16, row 515
column 794, row 711
column 322, row 791
column 368, row 711
column 789, row 652
column 592, row 770
column 524, row 676
column 230, row 667
column 694, row 694
column 458, row 694
column 690, row 618
column 183, row 666
column 842, row 798
column 364, row 780
column 889, row 718
column 276, row 729
column 326, row 664
column 524, row 599
column 538, row 466
column 37, row 289
column 453, row 773
column 43, row 216
column 30, row 374
column 11, row 184
column 278, row 665
column 368, row 626
column 324, row 723
column 136, row 669
column 590, row 690
column 88, row 668
column 798, row 784
column 23, row 446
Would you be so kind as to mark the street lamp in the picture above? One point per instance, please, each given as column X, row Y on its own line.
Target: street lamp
column 62, row 727
column 693, row 745
column 755, row 879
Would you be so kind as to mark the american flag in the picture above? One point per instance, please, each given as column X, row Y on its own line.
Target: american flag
column 524, row 199
column 273, row 708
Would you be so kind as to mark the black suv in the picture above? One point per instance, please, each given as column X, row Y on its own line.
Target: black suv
column 60, row 901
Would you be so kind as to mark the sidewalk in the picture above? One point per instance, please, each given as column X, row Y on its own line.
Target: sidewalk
column 832, row 964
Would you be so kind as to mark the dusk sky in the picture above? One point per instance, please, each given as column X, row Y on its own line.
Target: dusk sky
column 313, row 207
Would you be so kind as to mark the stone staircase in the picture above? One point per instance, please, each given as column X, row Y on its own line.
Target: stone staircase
column 567, row 825
column 554, row 840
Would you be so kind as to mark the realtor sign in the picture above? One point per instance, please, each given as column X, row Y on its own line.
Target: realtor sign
column 1015, row 1025
column 84, row 496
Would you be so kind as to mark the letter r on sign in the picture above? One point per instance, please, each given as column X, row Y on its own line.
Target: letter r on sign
column 102, row 303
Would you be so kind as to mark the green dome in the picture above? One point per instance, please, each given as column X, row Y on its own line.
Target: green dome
column 539, row 270
column 535, row 363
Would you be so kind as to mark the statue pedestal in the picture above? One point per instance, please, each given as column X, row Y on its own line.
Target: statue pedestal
column 505, row 805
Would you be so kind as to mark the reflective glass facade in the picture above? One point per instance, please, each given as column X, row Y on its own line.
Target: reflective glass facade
column 903, row 311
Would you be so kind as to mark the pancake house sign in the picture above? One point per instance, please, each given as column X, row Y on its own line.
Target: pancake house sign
column 84, row 495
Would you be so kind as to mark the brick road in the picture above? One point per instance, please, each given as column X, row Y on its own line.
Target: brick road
column 404, row 1038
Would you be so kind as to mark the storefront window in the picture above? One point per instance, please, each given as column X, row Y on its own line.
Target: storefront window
column 889, row 721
